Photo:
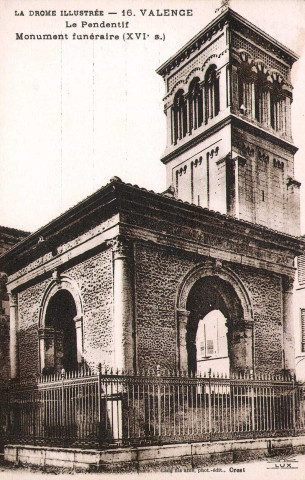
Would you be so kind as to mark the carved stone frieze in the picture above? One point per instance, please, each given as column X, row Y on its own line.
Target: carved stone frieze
column 235, row 244
column 288, row 284
column 263, row 156
column 121, row 247
column 13, row 299
column 212, row 152
column 206, row 37
column 246, row 149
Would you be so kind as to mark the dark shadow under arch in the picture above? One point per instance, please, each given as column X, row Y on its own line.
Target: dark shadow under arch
column 60, row 313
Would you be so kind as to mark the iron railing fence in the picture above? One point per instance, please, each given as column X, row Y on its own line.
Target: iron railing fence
column 97, row 410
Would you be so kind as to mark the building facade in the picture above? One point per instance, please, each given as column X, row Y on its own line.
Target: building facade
column 299, row 305
column 8, row 238
column 200, row 276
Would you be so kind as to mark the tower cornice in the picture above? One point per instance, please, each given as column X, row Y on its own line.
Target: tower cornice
column 230, row 119
column 233, row 19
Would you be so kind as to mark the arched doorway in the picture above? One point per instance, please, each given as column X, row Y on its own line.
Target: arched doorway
column 60, row 327
column 214, row 321
column 60, row 314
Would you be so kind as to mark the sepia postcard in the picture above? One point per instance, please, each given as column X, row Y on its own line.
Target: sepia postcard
column 151, row 136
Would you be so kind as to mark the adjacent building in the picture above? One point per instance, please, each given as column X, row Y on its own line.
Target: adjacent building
column 299, row 302
column 8, row 238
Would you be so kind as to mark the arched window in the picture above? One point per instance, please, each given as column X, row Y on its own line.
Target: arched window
column 60, row 332
column 179, row 117
column 60, row 315
column 262, row 100
column 211, row 93
column 195, row 104
column 246, row 92
column 277, row 109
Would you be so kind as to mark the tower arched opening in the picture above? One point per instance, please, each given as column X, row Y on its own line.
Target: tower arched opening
column 211, row 82
column 180, row 116
column 195, row 104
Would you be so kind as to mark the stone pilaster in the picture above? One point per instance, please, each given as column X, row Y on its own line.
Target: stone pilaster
column 252, row 100
column 229, row 86
column 288, row 116
column 123, row 306
column 236, row 181
column 223, row 93
column 234, row 82
column 240, row 340
column 13, row 335
column 182, row 318
column 169, row 125
column 288, row 325
column 78, row 321
column 203, row 106
column 248, row 339
column 189, row 114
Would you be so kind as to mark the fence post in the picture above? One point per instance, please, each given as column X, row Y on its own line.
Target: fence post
column 62, row 404
column 99, row 404
column 252, row 403
column 34, row 413
column 294, row 404
column 159, row 401
column 210, row 404
column 8, row 412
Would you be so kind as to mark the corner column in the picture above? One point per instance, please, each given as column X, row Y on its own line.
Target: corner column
column 288, row 325
column 78, row 321
column 123, row 306
column 182, row 318
column 13, row 335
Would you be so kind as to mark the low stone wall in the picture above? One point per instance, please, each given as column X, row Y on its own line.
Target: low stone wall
column 154, row 458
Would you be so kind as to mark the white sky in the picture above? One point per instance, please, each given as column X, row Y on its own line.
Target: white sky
column 76, row 113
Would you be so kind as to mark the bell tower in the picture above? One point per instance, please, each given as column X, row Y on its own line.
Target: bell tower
column 227, row 101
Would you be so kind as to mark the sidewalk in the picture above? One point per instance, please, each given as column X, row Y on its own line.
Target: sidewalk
column 291, row 468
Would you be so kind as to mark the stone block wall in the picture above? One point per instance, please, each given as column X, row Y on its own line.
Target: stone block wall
column 4, row 348
column 4, row 330
column 265, row 291
column 29, row 301
column 160, row 271
column 263, row 183
column 93, row 277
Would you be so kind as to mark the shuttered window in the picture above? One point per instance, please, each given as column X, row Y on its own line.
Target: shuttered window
column 301, row 269
column 210, row 347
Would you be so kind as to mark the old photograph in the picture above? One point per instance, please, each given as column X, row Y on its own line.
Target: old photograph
column 152, row 238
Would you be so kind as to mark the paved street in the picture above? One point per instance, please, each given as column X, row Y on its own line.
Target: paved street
column 292, row 468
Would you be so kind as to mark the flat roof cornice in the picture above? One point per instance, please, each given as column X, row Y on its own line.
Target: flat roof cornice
column 129, row 197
